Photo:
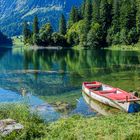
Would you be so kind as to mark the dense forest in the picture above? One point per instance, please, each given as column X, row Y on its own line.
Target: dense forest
column 4, row 40
column 96, row 23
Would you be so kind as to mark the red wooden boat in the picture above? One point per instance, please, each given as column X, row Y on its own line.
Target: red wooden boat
column 111, row 96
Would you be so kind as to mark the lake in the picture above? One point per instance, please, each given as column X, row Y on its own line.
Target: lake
column 52, row 79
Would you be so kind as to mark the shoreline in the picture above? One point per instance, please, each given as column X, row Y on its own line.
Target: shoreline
column 94, row 127
column 35, row 47
column 135, row 47
column 27, row 47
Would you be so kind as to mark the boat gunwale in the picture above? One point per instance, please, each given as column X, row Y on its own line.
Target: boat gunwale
column 117, row 104
column 113, row 101
column 118, row 89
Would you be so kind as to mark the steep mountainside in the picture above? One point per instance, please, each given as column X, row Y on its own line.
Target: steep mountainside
column 13, row 12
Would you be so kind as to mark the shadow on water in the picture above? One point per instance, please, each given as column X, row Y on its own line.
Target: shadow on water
column 99, row 107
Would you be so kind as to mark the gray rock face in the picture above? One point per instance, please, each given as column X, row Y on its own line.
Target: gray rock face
column 8, row 125
column 13, row 12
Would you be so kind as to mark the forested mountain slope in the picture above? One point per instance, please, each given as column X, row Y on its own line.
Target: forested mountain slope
column 13, row 12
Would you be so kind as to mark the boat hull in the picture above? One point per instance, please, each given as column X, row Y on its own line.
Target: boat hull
column 126, row 106
column 99, row 107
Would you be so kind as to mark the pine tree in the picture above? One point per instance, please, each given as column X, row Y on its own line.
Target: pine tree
column 88, row 11
column 62, row 25
column 104, row 14
column 35, row 30
column 114, row 30
column 128, row 21
column 96, row 11
column 46, row 33
column 138, row 17
column 133, row 14
column 74, row 17
column 87, row 16
column 82, row 9
column 104, row 19
column 116, row 15
column 26, row 33
column 93, row 37
column 119, row 21
column 35, row 25
column 128, row 14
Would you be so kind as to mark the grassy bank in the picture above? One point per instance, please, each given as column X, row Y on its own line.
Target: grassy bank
column 33, row 125
column 118, row 127
column 135, row 47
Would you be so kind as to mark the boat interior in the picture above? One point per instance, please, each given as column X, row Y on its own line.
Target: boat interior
column 108, row 91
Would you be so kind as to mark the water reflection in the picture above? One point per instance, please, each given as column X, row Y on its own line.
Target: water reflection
column 72, row 60
column 47, row 111
column 83, row 109
column 53, row 75
column 75, row 67
column 99, row 107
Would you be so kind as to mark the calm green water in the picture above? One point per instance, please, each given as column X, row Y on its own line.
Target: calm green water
column 56, row 76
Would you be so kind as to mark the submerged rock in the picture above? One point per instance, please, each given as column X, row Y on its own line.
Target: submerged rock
column 8, row 125
column 62, row 106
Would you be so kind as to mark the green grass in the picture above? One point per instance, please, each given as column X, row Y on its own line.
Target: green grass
column 135, row 47
column 34, row 127
column 78, row 47
column 114, row 127
column 119, row 127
